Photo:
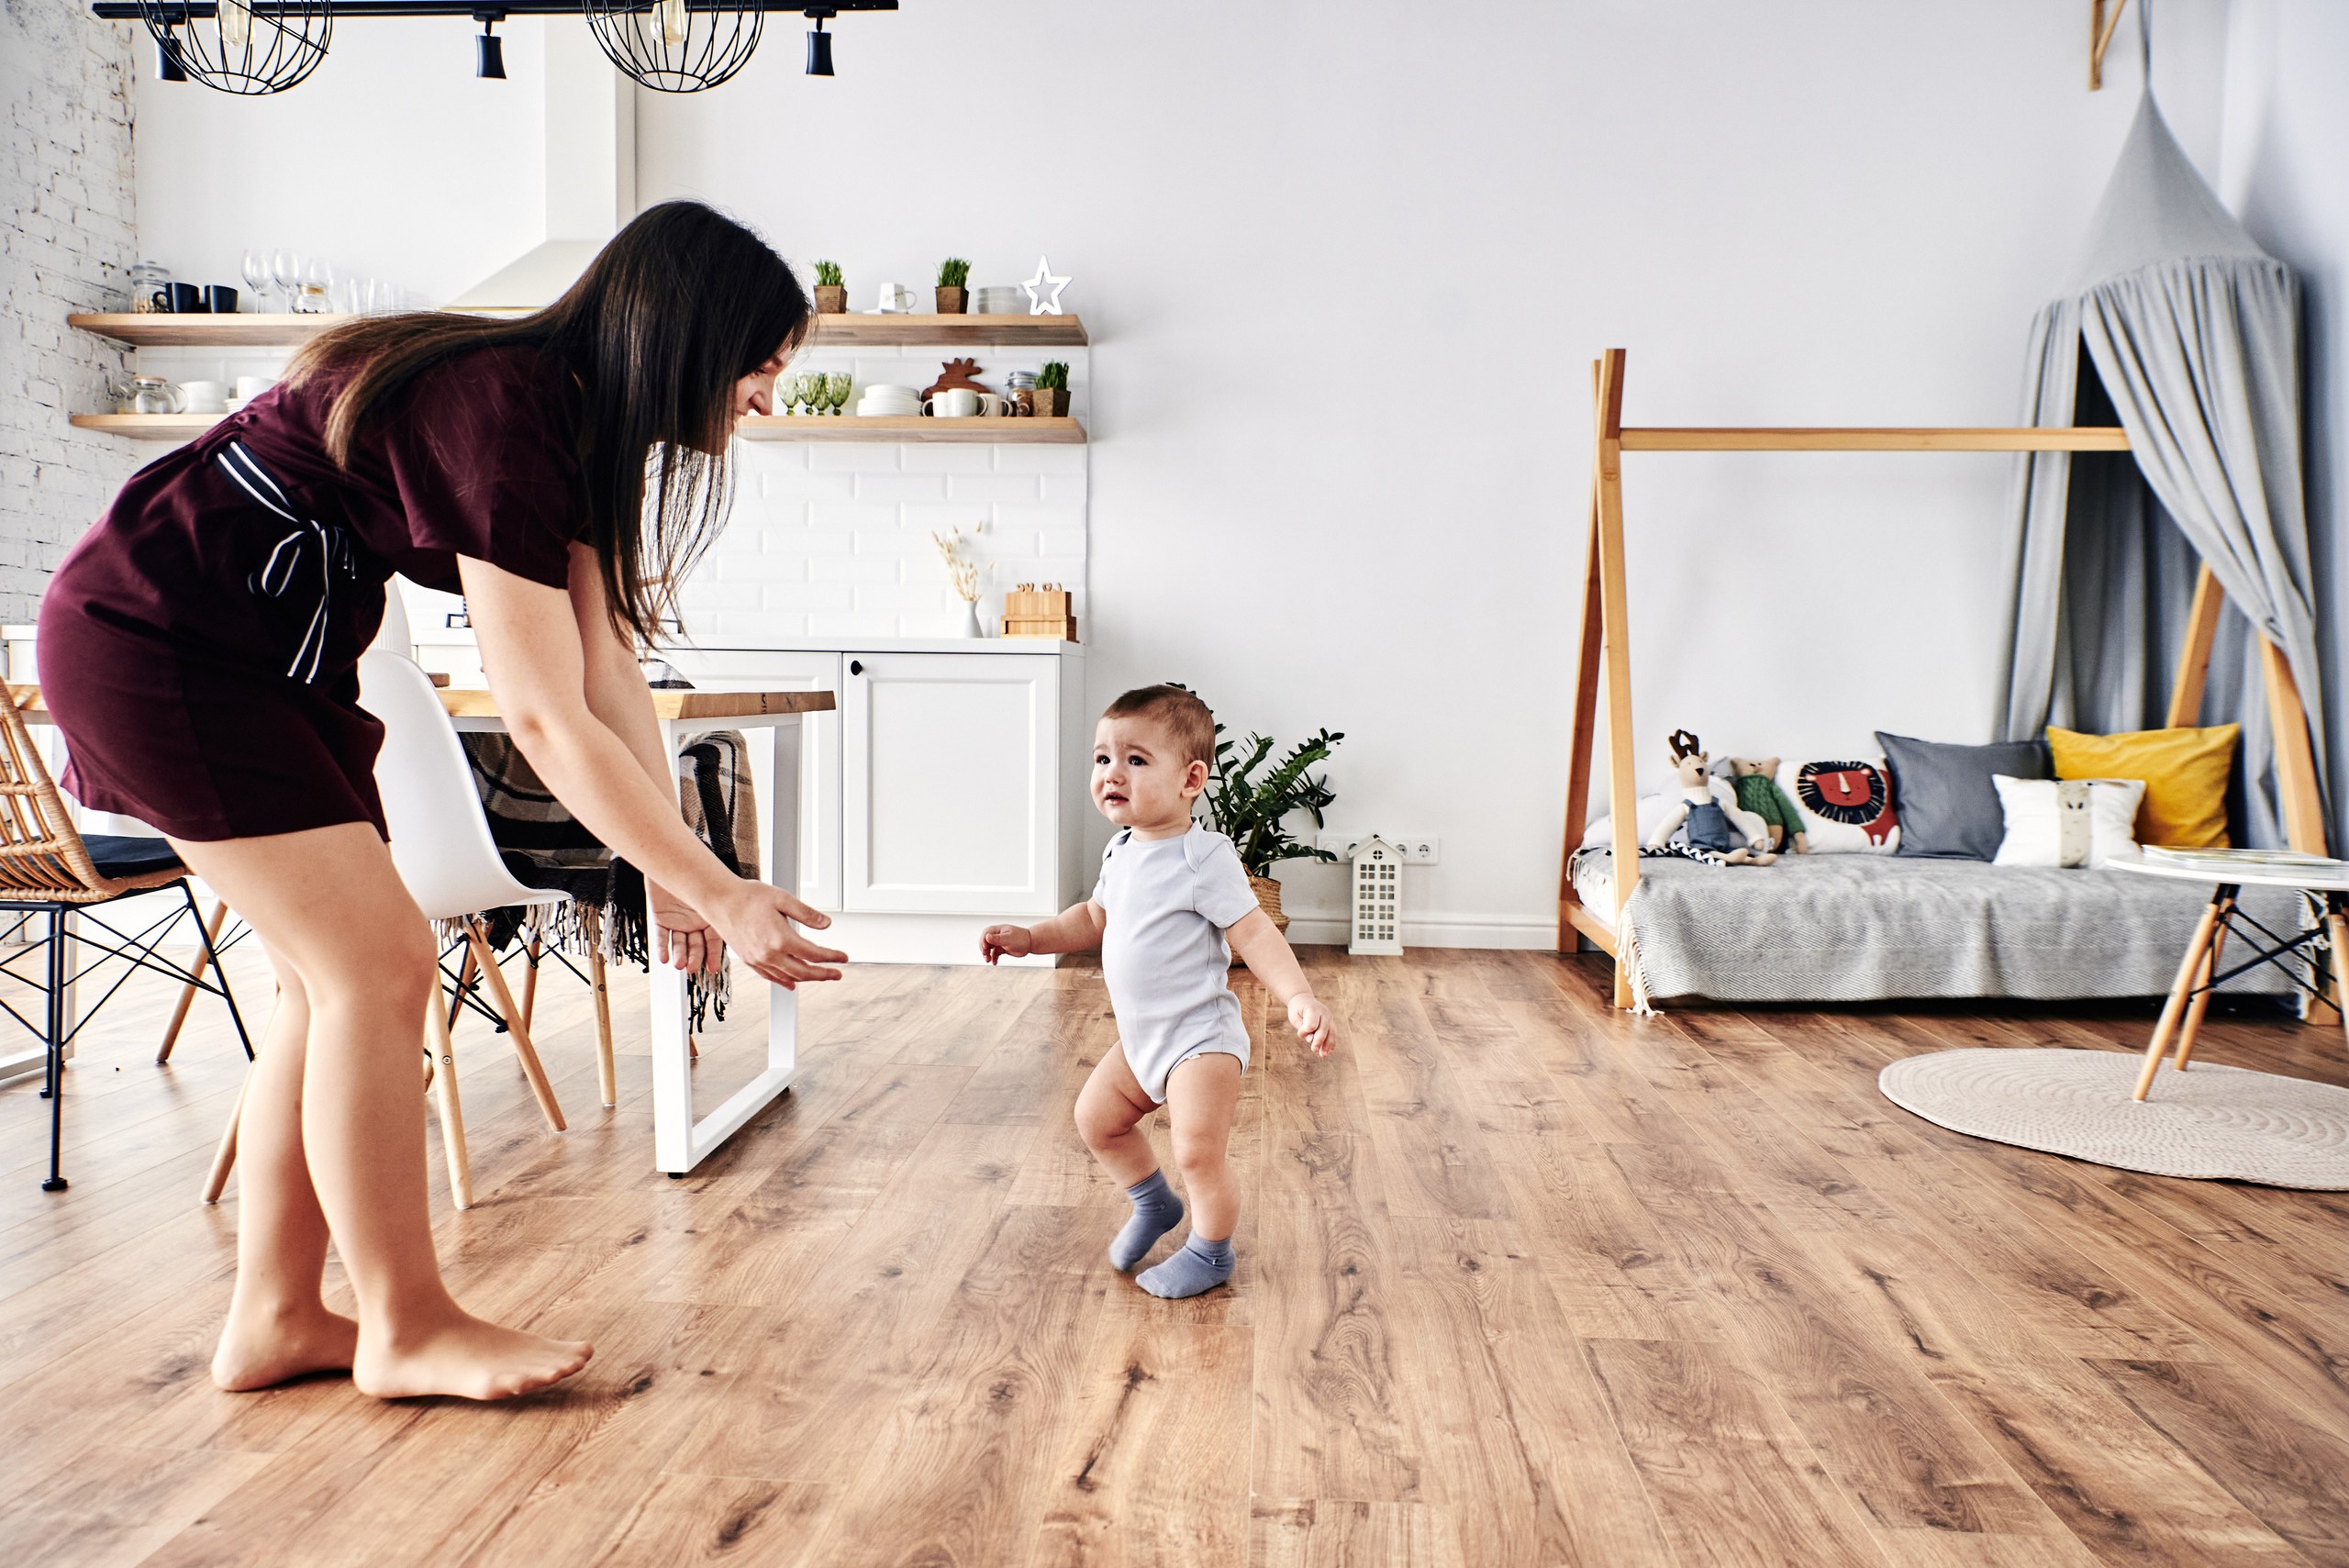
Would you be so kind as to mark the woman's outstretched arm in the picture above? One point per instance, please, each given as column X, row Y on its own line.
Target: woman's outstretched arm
column 536, row 662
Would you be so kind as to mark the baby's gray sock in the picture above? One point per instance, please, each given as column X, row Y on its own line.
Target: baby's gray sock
column 1156, row 1211
column 1201, row 1265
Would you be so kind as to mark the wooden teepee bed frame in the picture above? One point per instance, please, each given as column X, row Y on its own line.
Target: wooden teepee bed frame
column 1605, row 633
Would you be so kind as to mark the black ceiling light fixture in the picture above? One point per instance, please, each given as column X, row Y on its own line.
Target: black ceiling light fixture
column 249, row 47
column 489, row 49
column 242, row 46
column 678, row 46
column 819, row 46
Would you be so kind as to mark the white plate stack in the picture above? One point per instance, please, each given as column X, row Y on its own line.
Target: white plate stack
column 884, row 401
column 999, row 299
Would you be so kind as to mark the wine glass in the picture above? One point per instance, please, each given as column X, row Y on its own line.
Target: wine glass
column 285, row 272
column 806, row 393
column 254, row 267
column 836, row 389
column 318, row 285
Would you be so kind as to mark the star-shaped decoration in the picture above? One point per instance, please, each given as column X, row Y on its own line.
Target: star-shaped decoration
column 1037, row 304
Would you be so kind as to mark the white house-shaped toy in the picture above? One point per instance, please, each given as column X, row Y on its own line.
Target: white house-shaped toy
column 1378, row 894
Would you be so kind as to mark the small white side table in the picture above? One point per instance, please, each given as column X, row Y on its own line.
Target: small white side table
column 2198, row 971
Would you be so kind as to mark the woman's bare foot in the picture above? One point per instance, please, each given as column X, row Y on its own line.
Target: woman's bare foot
column 467, row 1358
column 260, row 1348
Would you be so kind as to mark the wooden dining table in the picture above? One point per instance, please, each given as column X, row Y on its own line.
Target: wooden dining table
column 680, row 1139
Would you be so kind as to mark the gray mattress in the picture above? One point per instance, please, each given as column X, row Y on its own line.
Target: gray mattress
column 1872, row 927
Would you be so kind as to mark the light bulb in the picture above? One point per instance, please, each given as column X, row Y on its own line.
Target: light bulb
column 236, row 23
column 673, row 22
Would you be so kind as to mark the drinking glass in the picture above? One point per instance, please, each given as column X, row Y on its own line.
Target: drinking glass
column 254, row 269
column 806, row 393
column 285, row 272
column 837, row 385
column 317, row 285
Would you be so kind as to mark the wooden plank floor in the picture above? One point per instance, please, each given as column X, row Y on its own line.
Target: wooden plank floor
column 1521, row 1281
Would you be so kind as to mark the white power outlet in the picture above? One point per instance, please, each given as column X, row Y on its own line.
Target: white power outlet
column 1417, row 849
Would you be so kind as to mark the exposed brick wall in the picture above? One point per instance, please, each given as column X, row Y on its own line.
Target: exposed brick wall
column 66, row 244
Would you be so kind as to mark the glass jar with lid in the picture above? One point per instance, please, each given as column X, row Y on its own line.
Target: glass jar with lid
column 146, row 277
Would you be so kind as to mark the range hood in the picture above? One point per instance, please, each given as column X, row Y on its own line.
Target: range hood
column 590, row 152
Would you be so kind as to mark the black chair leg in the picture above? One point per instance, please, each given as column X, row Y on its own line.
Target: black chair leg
column 56, row 1182
column 212, row 956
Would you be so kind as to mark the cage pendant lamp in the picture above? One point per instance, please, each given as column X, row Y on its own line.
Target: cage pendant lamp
column 244, row 47
column 676, row 46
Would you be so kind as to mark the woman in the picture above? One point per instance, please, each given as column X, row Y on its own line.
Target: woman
column 199, row 651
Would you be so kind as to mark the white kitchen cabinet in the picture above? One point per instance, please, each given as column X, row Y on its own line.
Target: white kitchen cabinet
column 950, row 786
column 756, row 669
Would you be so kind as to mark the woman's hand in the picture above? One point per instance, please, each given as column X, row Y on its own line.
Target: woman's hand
column 1007, row 941
column 681, row 937
column 758, row 920
column 1313, row 1023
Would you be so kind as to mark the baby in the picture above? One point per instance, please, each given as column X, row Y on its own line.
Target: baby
column 1169, row 895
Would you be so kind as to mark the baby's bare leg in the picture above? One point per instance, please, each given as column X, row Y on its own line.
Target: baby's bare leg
column 1202, row 1096
column 1110, row 1111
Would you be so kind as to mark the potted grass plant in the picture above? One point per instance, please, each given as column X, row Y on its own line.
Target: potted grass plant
column 1253, row 810
column 954, row 296
column 831, row 290
column 1052, row 389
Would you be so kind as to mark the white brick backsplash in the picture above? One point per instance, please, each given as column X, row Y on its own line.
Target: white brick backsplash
column 851, row 458
column 705, row 593
column 854, row 568
column 909, row 487
column 65, row 245
column 841, row 547
column 949, row 460
column 991, row 487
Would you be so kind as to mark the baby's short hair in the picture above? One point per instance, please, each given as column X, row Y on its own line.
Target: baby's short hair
column 1185, row 717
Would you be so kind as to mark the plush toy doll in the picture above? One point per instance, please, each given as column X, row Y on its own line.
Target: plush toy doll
column 1755, row 780
column 1706, row 823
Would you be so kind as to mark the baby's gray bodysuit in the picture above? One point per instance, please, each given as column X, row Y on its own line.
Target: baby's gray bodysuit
column 1169, row 902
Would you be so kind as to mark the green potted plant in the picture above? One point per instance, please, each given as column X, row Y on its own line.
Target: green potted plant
column 831, row 290
column 1254, row 812
column 1052, row 389
column 953, row 297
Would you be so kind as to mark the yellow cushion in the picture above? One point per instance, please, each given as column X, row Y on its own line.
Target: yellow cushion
column 2186, row 773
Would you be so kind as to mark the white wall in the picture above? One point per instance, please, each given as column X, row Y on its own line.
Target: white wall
column 1346, row 262
column 65, row 246
column 393, row 161
column 2287, row 148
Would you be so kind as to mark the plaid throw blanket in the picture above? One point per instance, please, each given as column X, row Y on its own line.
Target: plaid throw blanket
column 544, row 846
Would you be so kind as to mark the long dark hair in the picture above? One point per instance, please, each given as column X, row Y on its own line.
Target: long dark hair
column 683, row 303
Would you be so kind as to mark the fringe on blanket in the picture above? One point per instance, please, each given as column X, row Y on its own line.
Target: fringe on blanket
column 1627, row 955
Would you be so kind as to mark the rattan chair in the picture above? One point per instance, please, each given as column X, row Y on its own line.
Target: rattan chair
column 49, row 868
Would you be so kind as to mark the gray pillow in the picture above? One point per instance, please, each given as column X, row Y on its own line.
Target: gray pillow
column 1949, row 809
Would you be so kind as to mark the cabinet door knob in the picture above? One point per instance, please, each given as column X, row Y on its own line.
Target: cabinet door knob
column 856, row 666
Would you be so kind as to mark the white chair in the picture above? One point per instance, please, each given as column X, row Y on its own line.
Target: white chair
column 440, row 844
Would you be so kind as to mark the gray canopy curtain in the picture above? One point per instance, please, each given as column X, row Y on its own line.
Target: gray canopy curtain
column 2187, row 334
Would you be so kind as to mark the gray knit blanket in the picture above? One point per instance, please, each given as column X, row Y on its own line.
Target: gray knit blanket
column 1875, row 928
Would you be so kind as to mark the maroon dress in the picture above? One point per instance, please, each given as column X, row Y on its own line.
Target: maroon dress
column 199, row 646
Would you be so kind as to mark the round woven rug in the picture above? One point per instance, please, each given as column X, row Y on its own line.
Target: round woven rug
column 2210, row 1122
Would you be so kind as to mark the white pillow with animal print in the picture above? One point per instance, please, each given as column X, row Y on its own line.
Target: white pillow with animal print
column 1846, row 807
column 2069, row 822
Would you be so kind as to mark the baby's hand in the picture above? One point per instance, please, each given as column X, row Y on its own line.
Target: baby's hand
column 1313, row 1023
column 1006, row 941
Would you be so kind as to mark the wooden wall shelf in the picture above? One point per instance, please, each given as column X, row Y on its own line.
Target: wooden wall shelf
column 277, row 331
column 149, row 426
column 854, row 330
column 844, row 428
column 245, row 330
column 851, row 428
